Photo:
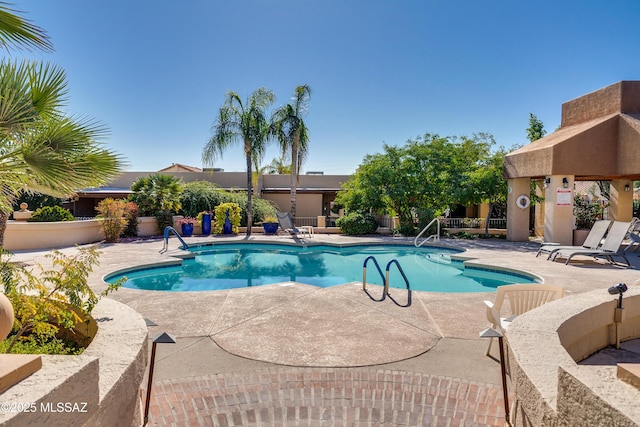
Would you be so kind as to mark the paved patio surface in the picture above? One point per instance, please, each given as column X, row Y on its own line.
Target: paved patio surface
column 294, row 354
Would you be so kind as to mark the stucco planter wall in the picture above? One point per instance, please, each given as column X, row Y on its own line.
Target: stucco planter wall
column 101, row 387
column 22, row 235
column 545, row 346
column 148, row 226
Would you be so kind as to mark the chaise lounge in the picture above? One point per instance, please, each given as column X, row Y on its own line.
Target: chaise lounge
column 610, row 249
column 286, row 223
column 593, row 240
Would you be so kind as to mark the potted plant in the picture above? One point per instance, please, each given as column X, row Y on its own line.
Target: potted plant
column 270, row 224
column 586, row 213
column 187, row 224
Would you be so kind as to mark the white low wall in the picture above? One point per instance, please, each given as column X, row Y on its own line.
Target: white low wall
column 101, row 387
column 23, row 235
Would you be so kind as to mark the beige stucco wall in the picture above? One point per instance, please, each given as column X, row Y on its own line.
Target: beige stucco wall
column 545, row 345
column 104, row 381
column 21, row 235
column 307, row 204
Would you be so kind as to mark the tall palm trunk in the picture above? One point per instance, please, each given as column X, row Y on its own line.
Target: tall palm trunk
column 294, row 174
column 4, row 217
column 249, row 193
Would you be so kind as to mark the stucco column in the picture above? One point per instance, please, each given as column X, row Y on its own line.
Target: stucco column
column 558, row 210
column 517, row 217
column 621, row 193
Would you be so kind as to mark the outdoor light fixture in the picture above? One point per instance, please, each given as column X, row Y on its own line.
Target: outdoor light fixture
column 163, row 338
column 618, row 289
column 547, row 181
column 626, row 188
column 565, row 182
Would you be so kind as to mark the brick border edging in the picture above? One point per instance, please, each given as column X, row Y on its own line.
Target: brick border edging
column 312, row 396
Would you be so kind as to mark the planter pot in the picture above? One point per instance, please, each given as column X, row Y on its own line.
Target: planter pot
column 270, row 227
column 579, row 236
column 187, row 230
column 206, row 224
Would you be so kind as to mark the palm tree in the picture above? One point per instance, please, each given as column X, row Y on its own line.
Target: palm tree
column 241, row 122
column 278, row 166
column 292, row 134
column 41, row 148
column 19, row 32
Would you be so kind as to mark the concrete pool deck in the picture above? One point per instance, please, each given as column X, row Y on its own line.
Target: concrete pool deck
column 297, row 355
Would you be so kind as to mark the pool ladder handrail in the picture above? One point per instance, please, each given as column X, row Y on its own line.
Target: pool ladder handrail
column 435, row 237
column 385, row 279
column 167, row 231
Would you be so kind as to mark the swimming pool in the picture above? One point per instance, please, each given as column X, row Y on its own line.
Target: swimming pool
column 226, row 266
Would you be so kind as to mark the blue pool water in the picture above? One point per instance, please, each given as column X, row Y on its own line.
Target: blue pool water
column 240, row 265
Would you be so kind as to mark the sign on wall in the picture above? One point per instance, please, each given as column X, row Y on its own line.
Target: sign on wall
column 563, row 197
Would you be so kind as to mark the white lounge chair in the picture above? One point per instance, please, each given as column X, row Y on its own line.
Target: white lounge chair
column 593, row 240
column 522, row 298
column 286, row 223
column 610, row 248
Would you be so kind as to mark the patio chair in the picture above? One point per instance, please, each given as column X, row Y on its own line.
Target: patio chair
column 522, row 298
column 286, row 223
column 593, row 240
column 610, row 248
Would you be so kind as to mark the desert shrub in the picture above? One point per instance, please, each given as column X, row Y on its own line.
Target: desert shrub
column 50, row 301
column 51, row 214
column 164, row 219
column 114, row 217
column 355, row 223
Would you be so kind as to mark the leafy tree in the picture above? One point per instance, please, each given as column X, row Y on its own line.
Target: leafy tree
column 535, row 130
column 293, row 135
column 422, row 178
column 241, row 122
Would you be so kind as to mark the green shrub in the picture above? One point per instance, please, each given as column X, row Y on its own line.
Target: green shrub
column 51, row 301
column 131, row 213
column 164, row 219
column 155, row 193
column 51, row 214
column 199, row 196
column 221, row 216
column 407, row 229
column 355, row 223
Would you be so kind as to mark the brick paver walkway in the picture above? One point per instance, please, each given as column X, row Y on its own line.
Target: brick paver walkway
column 326, row 397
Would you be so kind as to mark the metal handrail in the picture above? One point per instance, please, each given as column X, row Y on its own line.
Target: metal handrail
column 406, row 282
column 167, row 231
column 364, row 277
column 385, row 279
column 436, row 237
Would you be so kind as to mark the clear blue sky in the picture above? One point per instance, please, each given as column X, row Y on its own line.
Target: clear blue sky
column 156, row 72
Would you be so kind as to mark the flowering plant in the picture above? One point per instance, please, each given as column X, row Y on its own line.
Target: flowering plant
column 187, row 220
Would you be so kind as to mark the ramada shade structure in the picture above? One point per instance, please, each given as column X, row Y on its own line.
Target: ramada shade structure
column 599, row 139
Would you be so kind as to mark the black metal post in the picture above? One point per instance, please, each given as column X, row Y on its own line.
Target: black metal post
column 149, row 383
column 505, row 392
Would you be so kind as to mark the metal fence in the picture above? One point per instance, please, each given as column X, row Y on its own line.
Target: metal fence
column 473, row 223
